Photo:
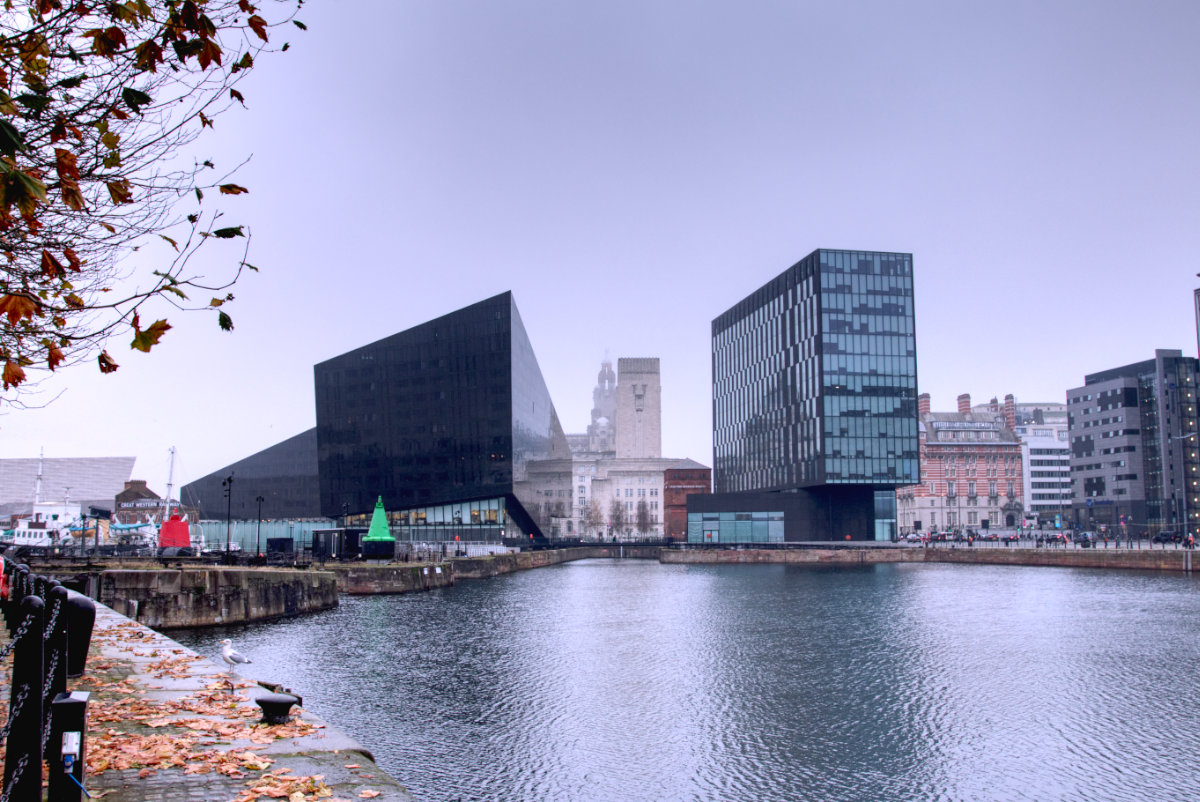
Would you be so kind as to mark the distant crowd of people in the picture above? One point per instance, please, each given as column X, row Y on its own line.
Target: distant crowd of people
column 1058, row 538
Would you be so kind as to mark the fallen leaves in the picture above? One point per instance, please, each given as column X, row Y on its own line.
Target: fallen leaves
column 214, row 731
column 273, row 785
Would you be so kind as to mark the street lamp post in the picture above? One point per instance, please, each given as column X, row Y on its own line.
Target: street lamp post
column 258, row 536
column 227, row 483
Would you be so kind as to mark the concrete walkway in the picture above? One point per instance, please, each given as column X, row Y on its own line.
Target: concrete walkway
column 168, row 724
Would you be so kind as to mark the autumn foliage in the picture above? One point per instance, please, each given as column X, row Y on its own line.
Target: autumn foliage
column 98, row 101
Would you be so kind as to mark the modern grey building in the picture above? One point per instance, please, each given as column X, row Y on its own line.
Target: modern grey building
column 814, row 404
column 1135, row 455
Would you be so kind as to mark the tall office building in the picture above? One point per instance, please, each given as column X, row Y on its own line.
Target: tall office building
column 814, row 404
column 639, row 409
column 1135, row 459
column 443, row 421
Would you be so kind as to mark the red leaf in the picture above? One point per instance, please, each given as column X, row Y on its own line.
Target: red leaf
column 17, row 307
column 50, row 265
column 13, row 375
column 259, row 26
column 55, row 357
column 106, row 363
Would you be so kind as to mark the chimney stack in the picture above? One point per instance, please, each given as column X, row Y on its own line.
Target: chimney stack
column 1010, row 411
column 964, row 403
column 923, row 404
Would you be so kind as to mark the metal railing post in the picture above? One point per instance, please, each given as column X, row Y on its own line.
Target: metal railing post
column 23, row 753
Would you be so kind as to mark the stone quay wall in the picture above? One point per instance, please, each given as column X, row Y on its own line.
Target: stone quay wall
column 495, row 565
column 367, row 578
column 171, row 599
column 1138, row 559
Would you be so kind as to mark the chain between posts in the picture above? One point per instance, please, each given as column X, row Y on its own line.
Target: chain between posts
column 12, row 714
column 21, row 630
column 53, row 618
column 49, row 677
column 15, row 778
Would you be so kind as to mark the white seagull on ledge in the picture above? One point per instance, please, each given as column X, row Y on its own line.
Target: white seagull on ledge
column 231, row 657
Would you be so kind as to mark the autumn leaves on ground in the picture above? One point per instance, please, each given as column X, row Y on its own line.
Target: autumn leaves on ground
column 194, row 732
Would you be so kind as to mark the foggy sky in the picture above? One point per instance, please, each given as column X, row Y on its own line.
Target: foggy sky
column 630, row 170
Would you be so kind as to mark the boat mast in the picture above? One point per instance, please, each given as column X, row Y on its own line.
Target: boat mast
column 170, row 477
column 37, row 490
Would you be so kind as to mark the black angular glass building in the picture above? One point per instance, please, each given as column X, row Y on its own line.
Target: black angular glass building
column 441, row 420
column 814, row 404
column 285, row 475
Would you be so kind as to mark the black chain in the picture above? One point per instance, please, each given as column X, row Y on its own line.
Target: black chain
column 21, row 630
column 49, row 677
column 12, row 714
column 16, row 776
column 53, row 665
column 53, row 618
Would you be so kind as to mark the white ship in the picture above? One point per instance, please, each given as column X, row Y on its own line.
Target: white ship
column 49, row 525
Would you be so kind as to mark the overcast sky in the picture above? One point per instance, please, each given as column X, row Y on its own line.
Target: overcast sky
column 630, row 170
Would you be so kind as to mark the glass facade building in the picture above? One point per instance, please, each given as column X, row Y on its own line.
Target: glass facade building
column 441, row 420
column 815, row 386
column 285, row 475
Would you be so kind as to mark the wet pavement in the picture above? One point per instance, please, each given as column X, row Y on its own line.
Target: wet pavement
column 165, row 723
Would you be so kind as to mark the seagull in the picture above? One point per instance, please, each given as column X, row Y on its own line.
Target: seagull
column 230, row 656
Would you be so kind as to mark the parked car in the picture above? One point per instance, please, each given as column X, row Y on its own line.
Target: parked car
column 913, row 537
column 1166, row 537
column 1012, row 537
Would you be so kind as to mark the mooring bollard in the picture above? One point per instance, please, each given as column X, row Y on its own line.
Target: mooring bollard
column 81, row 618
column 67, row 749
column 275, row 707
column 23, row 752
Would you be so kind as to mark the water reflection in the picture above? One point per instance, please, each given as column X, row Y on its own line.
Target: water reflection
column 603, row 680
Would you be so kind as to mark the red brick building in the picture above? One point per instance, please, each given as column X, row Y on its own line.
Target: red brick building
column 971, row 471
column 680, row 481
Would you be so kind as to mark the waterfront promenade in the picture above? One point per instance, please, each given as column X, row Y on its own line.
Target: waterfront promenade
column 167, row 724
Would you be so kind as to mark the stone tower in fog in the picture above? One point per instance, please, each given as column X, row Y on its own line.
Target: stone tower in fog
column 604, row 410
column 639, row 409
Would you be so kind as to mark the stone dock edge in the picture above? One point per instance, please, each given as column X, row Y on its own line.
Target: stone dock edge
column 210, row 714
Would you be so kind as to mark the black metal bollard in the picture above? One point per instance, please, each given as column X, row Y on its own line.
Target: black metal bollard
column 81, row 617
column 19, row 590
column 276, row 707
column 23, row 753
column 56, row 644
column 67, row 749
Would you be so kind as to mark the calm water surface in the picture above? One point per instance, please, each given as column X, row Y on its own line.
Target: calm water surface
column 622, row 681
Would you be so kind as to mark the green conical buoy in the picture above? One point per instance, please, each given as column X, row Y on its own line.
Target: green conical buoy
column 379, row 524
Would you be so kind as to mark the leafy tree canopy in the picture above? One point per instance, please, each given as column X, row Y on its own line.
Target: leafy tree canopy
column 97, row 102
